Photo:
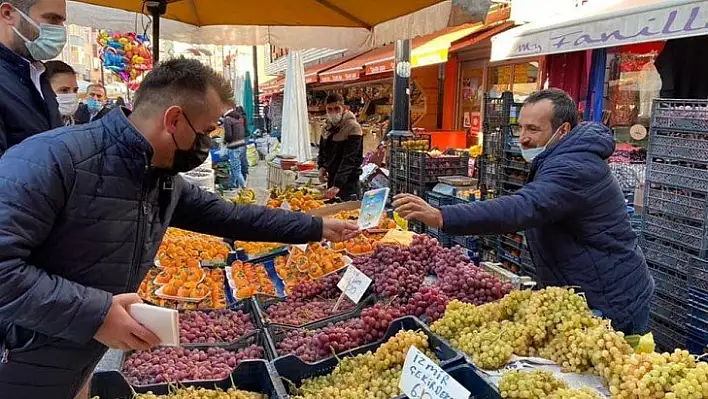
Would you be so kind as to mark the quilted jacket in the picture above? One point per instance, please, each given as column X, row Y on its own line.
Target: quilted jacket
column 82, row 214
column 576, row 223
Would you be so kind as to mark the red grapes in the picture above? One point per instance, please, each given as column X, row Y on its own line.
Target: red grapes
column 179, row 364
column 217, row 326
column 297, row 312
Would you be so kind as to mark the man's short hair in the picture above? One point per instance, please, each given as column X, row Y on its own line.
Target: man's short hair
column 564, row 108
column 334, row 98
column 179, row 81
column 22, row 5
column 56, row 67
column 97, row 85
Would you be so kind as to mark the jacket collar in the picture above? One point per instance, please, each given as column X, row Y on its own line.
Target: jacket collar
column 15, row 62
column 119, row 125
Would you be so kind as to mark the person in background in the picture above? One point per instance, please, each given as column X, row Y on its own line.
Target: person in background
column 235, row 140
column 31, row 31
column 62, row 78
column 572, row 210
column 83, row 211
column 95, row 103
column 341, row 151
column 247, row 134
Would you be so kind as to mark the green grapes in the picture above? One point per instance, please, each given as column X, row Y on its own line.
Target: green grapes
column 529, row 384
column 203, row 393
column 568, row 393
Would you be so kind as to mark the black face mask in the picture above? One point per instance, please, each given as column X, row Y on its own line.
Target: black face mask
column 186, row 160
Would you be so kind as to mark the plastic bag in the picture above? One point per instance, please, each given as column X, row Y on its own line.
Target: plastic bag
column 641, row 343
column 252, row 155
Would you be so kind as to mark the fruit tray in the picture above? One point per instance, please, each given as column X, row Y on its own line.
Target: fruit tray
column 293, row 369
column 262, row 304
column 260, row 339
column 269, row 266
column 468, row 376
column 249, row 375
column 260, row 258
column 206, row 304
column 247, row 307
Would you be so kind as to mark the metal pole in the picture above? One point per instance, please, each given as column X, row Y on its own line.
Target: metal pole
column 257, row 120
column 156, row 9
column 401, row 115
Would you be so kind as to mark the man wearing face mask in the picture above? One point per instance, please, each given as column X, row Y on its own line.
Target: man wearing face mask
column 341, row 151
column 83, row 211
column 62, row 78
column 31, row 31
column 572, row 209
column 95, row 107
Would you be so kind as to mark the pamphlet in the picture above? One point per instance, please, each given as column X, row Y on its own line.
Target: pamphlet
column 372, row 208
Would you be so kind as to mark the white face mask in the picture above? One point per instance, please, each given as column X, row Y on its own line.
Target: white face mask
column 68, row 103
column 335, row 118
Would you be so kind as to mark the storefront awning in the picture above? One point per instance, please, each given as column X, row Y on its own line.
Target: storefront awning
column 352, row 69
column 311, row 73
column 604, row 24
column 273, row 86
column 479, row 36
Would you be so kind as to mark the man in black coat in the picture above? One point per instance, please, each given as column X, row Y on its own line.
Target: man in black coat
column 95, row 106
column 27, row 103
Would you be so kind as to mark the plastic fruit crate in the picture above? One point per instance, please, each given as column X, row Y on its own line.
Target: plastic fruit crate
column 667, row 254
column 687, row 177
column 667, row 335
column 250, row 375
column 690, row 115
column 438, row 200
column 680, row 231
column 671, row 144
column 698, row 270
column 669, row 308
column 676, row 201
column 246, row 306
column 262, row 304
column 474, row 382
column 668, row 282
column 294, row 370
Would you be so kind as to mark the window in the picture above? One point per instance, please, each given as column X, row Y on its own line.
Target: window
column 521, row 79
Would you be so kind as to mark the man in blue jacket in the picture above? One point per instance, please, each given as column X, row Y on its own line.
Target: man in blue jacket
column 572, row 210
column 31, row 31
column 82, row 212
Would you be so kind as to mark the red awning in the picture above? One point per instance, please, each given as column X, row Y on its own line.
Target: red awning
column 480, row 36
column 352, row 69
column 314, row 70
column 273, row 86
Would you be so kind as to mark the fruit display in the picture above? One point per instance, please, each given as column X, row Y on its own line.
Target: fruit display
column 359, row 245
column 203, row 393
column 347, row 215
column 219, row 326
column 248, row 279
column 415, row 145
column 255, row 249
column 214, row 281
column 368, row 375
column 298, row 313
column 289, row 273
column 170, row 275
column 317, row 261
column 386, row 223
column 556, row 323
column 163, row 365
column 181, row 248
column 245, row 196
column 298, row 200
column 183, row 290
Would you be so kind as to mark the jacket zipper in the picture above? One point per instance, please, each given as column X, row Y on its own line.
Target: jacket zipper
column 5, row 356
column 140, row 235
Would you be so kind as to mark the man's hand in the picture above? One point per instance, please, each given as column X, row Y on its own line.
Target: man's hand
column 323, row 175
column 411, row 207
column 332, row 192
column 120, row 331
column 339, row 230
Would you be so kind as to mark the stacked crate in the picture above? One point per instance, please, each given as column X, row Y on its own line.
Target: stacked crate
column 675, row 217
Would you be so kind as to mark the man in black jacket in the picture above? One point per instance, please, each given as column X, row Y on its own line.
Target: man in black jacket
column 95, row 107
column 341, row 151
column 30, row 31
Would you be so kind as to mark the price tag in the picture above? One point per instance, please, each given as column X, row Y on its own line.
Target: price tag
column 354, row 284
column 423, row 379
column 285, row 205
column 301, row 247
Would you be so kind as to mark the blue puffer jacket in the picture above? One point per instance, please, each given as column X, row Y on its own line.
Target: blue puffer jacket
column 81, row 218
column 576, row 224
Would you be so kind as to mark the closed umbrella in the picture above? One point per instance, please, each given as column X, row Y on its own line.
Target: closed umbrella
column 247, row 101
column 294, row 24
column 295, row 137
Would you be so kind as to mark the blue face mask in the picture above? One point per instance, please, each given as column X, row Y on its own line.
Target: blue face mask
column 530, row 154
column 93, row 105
column 48, row 44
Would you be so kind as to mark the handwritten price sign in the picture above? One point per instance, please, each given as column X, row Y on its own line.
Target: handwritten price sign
column 423, row 379
column 354, row 284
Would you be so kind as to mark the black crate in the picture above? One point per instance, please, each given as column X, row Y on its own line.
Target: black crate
column 680, row 115
column 676, row 201
column 687, row 233
column 501, row 111
column 262, row 304
column 698, row 270
column 249, row 375
column 294, row 371
column 667, row 334
column 438, row 200
column 687, row 175
column 669, row 308
column 667, row 254
column 668, row 282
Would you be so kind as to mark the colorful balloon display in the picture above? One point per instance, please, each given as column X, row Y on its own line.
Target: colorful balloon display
column 126, row 54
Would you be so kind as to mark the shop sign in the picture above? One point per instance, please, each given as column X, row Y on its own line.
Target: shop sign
column 311, row 78
column 433, row 57
column 379, row 67
column 638, row 132
column 340, row 77
column 637, row 25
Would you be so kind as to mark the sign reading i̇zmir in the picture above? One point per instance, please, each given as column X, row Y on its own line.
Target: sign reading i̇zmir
column 670, row 22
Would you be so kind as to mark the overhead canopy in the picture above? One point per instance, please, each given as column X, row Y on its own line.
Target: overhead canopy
column 604, row 24
column 314, row 70
column 273, row 86
column 301, row 24
column 426, row 50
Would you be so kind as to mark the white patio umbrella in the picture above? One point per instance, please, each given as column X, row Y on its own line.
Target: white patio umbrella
column 295, row 135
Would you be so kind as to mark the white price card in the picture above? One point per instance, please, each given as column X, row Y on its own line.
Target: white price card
column 301, row 247
column 354, row 283
column 372, row 207
column 423, row 379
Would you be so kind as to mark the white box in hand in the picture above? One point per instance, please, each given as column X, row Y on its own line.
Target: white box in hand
column 162, row 322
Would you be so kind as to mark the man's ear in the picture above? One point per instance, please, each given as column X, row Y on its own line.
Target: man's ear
column 171, row 118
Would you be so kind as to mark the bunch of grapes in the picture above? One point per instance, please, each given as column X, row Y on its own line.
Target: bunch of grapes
column 447, row 260
column 428, row 301
column 471, row 284
column 179, row 364
column 201, row 393
column 608, row 349
column 568, row 350
column 569, row 393
column 369, row 375
column 212, row 327
column 694, row 385
column 396, row 281
column 487, row 347
column 325, row 287
column 424, row 250
column 529, row 384
column 298, row 312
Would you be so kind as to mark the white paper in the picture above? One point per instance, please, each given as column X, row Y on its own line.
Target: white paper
column 161, row 321
column 423, row 379
column 302, row 247
column 354, row 283
column 372, row 207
